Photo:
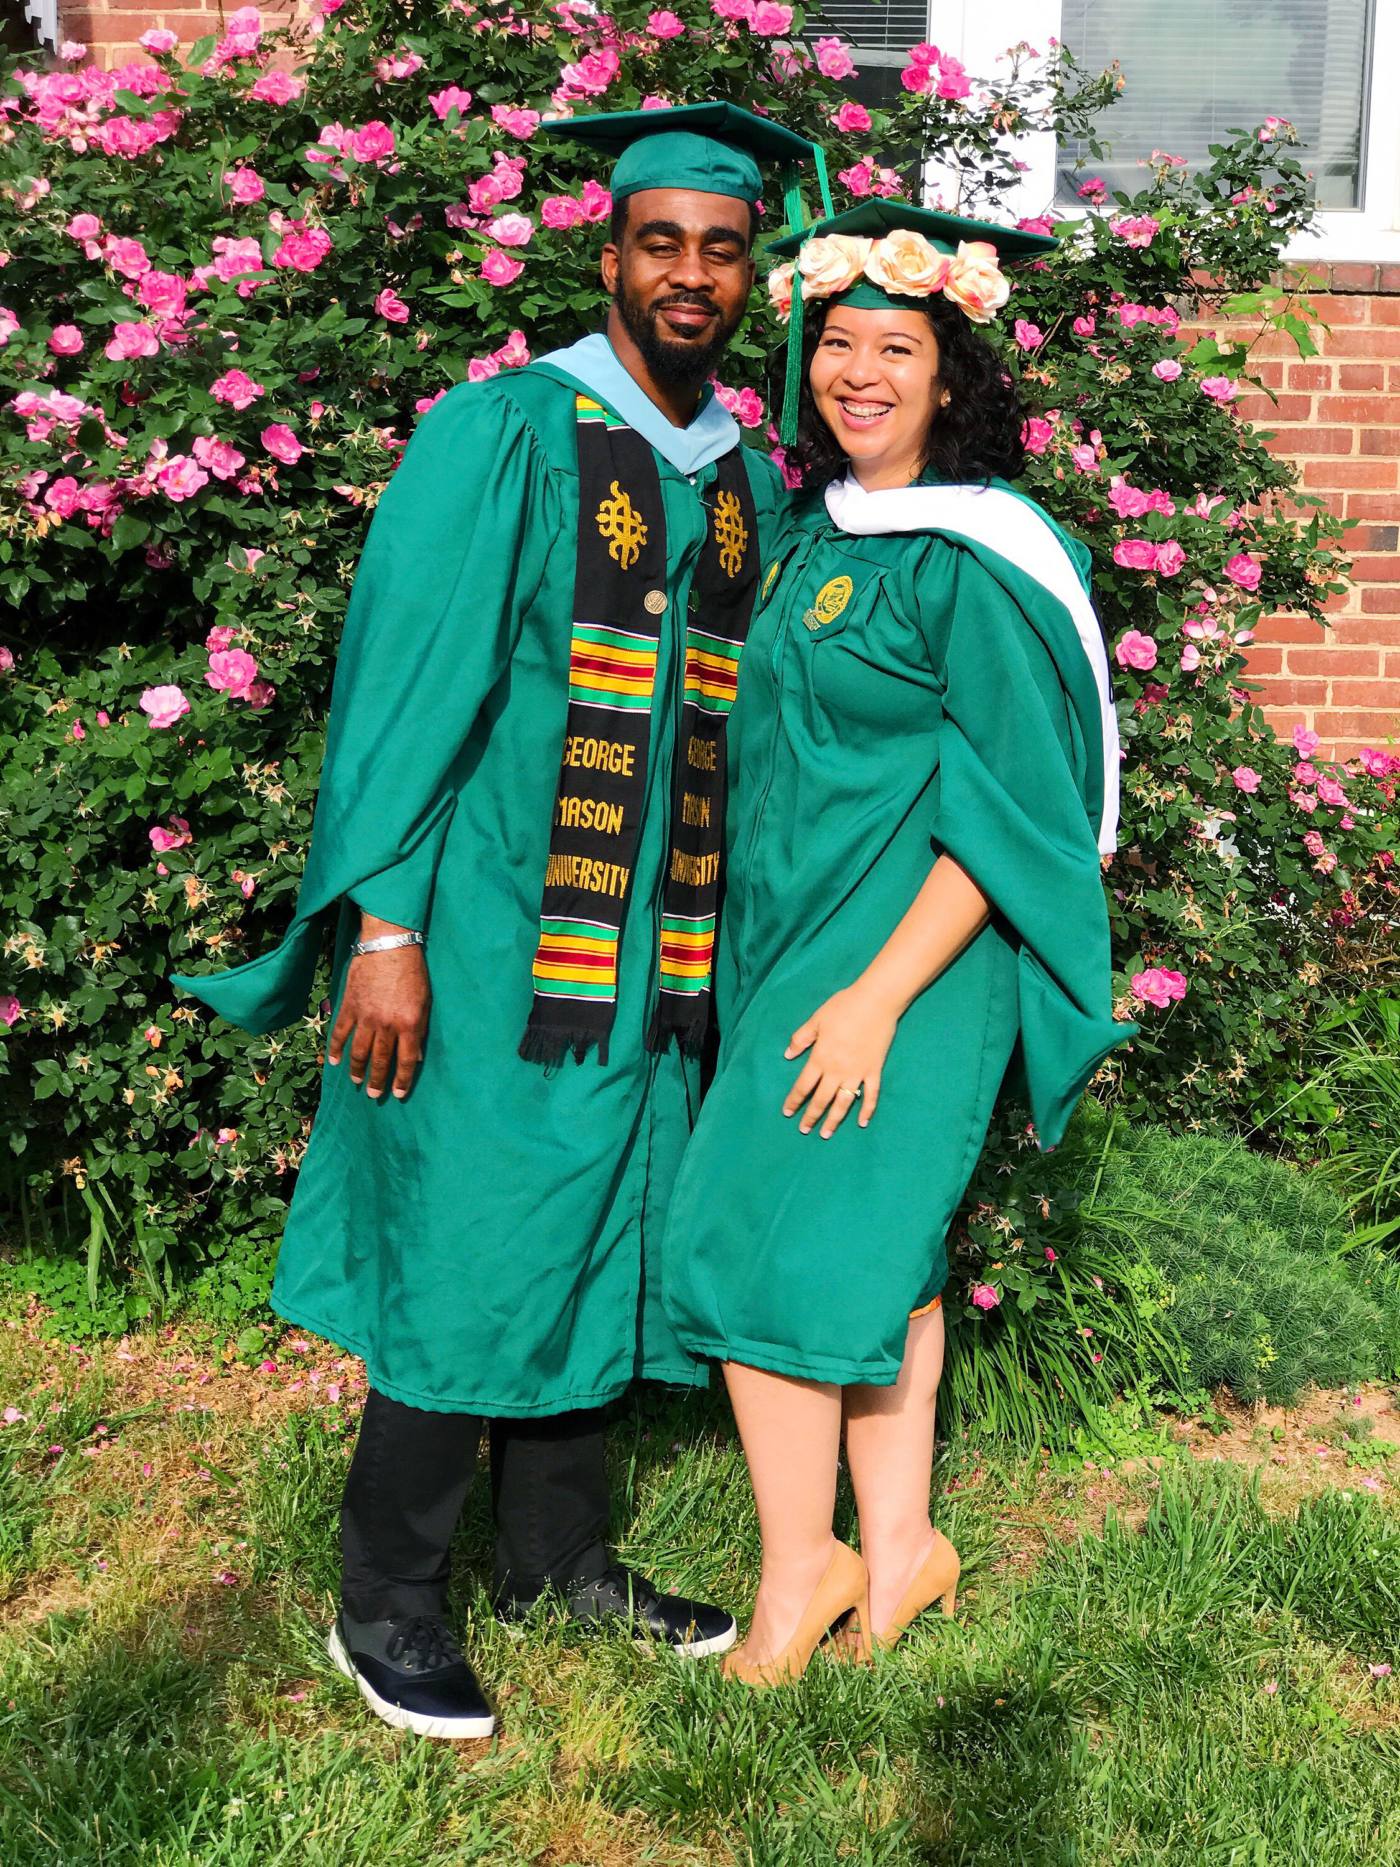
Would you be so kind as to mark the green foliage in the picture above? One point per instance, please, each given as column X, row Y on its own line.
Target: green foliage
column 146, row 1140
column 1357, row 1057
column 1263, row 1289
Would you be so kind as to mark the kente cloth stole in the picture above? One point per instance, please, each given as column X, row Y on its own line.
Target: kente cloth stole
column 620, row 609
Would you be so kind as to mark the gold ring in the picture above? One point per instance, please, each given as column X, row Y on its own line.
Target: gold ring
column 857, row 1093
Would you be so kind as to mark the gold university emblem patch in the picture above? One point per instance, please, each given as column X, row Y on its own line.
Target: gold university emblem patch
column 623, row 526
column 830, row 600
column 731, row 533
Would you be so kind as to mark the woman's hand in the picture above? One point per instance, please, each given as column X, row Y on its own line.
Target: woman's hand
column 849, row 1038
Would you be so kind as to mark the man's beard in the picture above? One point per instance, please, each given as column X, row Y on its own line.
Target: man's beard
column 674, row 360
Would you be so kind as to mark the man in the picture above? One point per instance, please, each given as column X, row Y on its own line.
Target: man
column 522, row 804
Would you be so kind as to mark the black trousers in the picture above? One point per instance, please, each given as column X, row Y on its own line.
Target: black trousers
column 409, row 1479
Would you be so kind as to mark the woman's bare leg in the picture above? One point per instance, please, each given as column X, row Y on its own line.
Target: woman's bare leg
column 889, row 1444
column 791, row 1431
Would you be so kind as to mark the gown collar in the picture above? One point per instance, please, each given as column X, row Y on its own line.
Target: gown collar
column 593, row 363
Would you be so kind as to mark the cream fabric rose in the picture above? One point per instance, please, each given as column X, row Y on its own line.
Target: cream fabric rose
column 904, row 261
column 780, row 288
column 975, row 281
column 831, row 263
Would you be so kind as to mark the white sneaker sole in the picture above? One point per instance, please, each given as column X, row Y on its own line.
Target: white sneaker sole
column 395, row 1716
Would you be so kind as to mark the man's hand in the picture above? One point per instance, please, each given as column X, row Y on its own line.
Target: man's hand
column 386, row 1007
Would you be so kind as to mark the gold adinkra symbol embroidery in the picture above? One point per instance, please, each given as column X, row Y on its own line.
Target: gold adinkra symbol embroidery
column 623, row 526
column 731, row 533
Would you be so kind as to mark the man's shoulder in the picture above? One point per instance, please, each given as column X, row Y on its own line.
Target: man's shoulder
column 529, row 400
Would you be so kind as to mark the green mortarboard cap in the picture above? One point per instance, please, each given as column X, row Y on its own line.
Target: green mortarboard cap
column 713, row 148
column 873, row 220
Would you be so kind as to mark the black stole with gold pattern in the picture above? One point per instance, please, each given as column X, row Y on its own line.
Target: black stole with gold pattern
column 620, row 604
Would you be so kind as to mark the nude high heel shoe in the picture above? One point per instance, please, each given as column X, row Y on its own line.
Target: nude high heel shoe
column 843, row 1589
column 935, row 1579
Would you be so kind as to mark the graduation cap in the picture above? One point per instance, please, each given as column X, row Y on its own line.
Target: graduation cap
column 714, row 148
column 889, row 254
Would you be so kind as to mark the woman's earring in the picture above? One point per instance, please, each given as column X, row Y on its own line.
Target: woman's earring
column 944, row 399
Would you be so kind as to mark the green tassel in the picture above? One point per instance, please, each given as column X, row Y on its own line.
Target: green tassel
column 819, row 156
column 792, row 386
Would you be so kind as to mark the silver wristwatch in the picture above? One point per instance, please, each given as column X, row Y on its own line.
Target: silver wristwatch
column 383, row 943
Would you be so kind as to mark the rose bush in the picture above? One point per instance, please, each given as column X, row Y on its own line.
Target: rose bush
column 233, row 276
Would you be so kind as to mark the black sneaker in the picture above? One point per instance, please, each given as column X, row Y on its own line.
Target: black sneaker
column 689, row 1628
column 411, row 1673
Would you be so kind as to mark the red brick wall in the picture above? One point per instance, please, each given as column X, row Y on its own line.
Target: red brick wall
column 110, row 29
column 1338, row 416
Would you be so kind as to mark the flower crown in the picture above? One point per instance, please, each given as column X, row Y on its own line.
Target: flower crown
column 903, row 262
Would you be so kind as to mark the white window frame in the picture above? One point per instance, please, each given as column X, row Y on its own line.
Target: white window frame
column 43, row 17
column 980, row 31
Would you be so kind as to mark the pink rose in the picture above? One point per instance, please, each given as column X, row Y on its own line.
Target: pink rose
column 232, row 671
column 1167, row 370
column 1037, row 434
column 1304, row 773
column 281, row 443
column 236, row 389
column 769, row 20
column 1306, row 741
column 521, row 123
column 1169, row 558
column 514, row 353
column 1331, row 792
column 373, row 142
column 164, row 705
column 10, row 1011
column 834, row 58
column 218, row 457
column 1084, row 327
column 1246, row 778
column 219, row 638
column 1244, row 570
column 852, row 119
column 1028, row 336
column 1219, row 388
column 986, row 1296
column 1158, row 986
column 1084, row 459
column 389, row 305
column 560, row 211
column 7, row 660
column 1136, row 650
column 159, row 39
column 129, row 341
column 181, row 478
column 664, row 25
column 595, row 202
column 1135, row 553
column 164, row 840
column 65, row 340
column 1135, row 229
column 245, row 185
column 512, row 229
column 451, row 97
column 277, row 87
column 482, row 369
column 261, row 694
column 498, row 268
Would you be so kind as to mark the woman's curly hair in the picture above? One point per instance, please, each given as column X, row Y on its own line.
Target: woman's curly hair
column 976, row 437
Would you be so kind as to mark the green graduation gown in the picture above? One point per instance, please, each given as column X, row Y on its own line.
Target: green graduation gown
column 490, row 1244
column 899, row 696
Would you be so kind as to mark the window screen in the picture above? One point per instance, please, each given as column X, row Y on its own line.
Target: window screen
column 880, row 33
column 1200, row 68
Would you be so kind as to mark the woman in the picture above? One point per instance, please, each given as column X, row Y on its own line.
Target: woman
column 923, row 760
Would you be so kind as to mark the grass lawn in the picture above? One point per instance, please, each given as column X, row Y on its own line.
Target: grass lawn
column 1178, row 1659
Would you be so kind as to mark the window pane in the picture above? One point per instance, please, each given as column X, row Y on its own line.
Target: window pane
column 1200, row 68
column 880, row 33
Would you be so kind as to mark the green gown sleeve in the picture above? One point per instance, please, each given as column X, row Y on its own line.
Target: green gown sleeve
column 454, row 551
column 1019, row 787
